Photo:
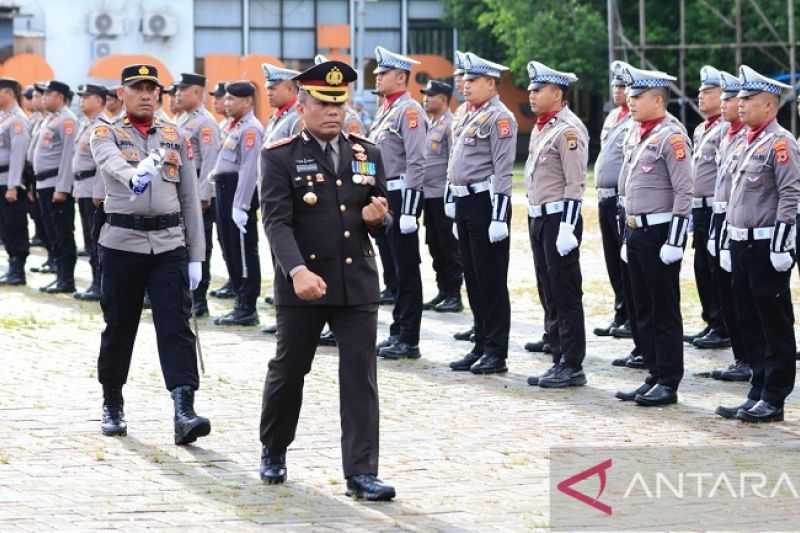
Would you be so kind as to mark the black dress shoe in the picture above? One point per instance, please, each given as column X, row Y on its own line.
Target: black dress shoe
column 92, row 294
column 738, row 371
column 13, row 277
column 387, row 297
column 631, row 395
column 489, row 364
column 636, row 362
column 188, row 425
column 622, row 332
column 238, row 317
column 200, row 308
column 451, row 304
column 436, row 300
column 272, row 329
column 563, row 377
column 468, row 335
column 730, row 412
column 657, row 396
column 46, row 268
column 60, row 287
column 541, row 346
column 225, row 292
column 690, row 338
column 622, row 361
column 146, row 303
column 385, row 343
column 761, row 412
column 37, row 241
column 369, row 487
column 269, row 300
column 273, row 467
column 606, row 331
column 400, row 350
column 113, row 422
column 466, row 362
column 44, row 288
column 533, row 381
column 712, row 340
column 327, row 338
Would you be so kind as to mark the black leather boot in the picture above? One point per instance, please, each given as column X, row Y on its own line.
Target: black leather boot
column 273, row 466
column 430, row 304
column 188, row 426
column 113, row 420
column 16, row 272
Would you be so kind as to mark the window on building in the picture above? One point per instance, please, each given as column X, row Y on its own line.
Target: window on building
column 218, row 29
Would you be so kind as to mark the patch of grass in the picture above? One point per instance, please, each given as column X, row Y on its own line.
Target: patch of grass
column 3, row 459
column 99, row 454
column 23, row 322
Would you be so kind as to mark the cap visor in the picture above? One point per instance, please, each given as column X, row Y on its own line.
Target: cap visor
column 458, row 72
column 744, row 93
column 705, row 86
column 729, row 95
column 381, row 70
column 636, row 91
column 535, row 86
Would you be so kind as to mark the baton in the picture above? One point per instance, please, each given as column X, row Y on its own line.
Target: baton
column 244, row 259
column 197, row 335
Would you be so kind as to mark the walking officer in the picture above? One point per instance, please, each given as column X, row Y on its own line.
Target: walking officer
column 658, row 188
column 235, row 176
column 555, row 175
column 758, row 247
column 282, row 94
column 399, row 132
column 14, row 138
column 199, row 125
column 439, row 237
column 481, row 165
column 323, row 194
column 152, row 240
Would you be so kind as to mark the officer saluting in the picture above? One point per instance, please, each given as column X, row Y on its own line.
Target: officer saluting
column 399, row 131
column 323, row 194
column 555, row 174
column 152, row 240
column 658, row 187
column 759, row 246
column 481, row 165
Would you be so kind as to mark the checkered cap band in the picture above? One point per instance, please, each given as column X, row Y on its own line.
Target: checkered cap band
column 762, row 86
column 393, row 62
column 649, row 84
column 482, row 69
column 550, row 78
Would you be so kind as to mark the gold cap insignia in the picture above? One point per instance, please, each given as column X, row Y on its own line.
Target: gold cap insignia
column 144, row 71
column 334, row 77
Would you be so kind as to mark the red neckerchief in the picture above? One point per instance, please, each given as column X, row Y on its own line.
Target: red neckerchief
column 754, row 132
column 234, row 122
column 736, row 127
column 391, row 99
column 710, row 121
column 471, row 108
column 544, row 118
column 623, row 112
column 285, row 107
column 143, row 126
column 647, row 126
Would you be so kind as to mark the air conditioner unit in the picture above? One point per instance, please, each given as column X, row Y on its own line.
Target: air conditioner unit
column 159, row 24
column 101, row 48
column 105, row 24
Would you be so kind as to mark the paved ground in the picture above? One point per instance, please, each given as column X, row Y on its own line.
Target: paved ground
column 465, row 453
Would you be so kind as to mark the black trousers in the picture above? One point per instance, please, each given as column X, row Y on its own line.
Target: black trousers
column 209, row 215
column 443, row 247
column 165, row 276
column 562, row 288
column 723, row 281
column 657, row 300
column 14, row 221
column 612, row 242
column 59, row 225
column 246, row 289
column 87, row 209
column 387, row 262
column 33, row 205
column 485, row 273
column 407, row 313
column 355, row 328
column 766, row 320
column 705, row 270
column 627, row 290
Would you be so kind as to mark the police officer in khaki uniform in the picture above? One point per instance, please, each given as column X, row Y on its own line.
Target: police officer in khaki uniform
column 115, row 110
column 439, row 237
column 658, row 188
column 758, row 247
column 555, row 175
column 235, row 176
column 323, row 194
column 92, row 102
column 218, row 105
column 49, row 266
column 35, row 116
column 52, row 166
column 399, row 131
column 479, row 175
column 14, row 138
column 199, row 125
column 282, row 94
column 152, row 239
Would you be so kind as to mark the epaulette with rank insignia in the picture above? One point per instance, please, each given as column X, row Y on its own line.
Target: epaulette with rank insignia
column 281, row 142
column 359, row 138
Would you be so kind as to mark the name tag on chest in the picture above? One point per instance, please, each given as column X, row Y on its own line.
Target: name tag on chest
column 306, row 166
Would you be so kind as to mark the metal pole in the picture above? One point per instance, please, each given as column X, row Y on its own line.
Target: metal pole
column 738, row 8
column 404, row 26
column 361, row 15
column 792, row 51
column 641, row 33
column 246, row 27
column 611, row 40
column 682, row 60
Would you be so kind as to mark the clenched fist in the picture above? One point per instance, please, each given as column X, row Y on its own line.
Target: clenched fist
column 308, row 286
column 374, row 213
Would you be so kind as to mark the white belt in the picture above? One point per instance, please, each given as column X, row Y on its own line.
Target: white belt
column 798, row 209
column 621, row 201
column 704, row 201
column 397, row 184
column 606, row 192
column 641, row 221
column 535, row 211
column 750, row 234
column 720, row 207
column 473, row 188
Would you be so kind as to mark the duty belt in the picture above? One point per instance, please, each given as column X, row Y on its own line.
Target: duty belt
column 604, row 193
column 396, row 184
column 461, row 191
column 644, row 221
column 3, row 168
column 702, row 202
column 41, row 176
column 85, row 174
column 750, row 234
column 720, row 207
column 142, row 223
column 536, row 211
column 621, row 201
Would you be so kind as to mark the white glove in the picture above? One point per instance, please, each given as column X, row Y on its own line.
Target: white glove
column 670, row 254
column 497, row 231
column 455, row 230
column 149, row 165
column 450, row 209
column 711, row 246
column 566, row 240
column 240, row 219
column 781, row 261
column 408, row 224
column 725, row 260
column 195, row 274
column 623, row 253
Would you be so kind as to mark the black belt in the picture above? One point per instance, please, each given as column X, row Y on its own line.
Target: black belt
column 84, row 174
column 226, row 175
column 47, row 174
column 142, row 223
column 3, row 168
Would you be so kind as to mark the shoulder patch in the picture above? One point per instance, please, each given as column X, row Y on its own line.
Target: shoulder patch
column 249, row 139
column 189, row 150
column 678, row 146
column 169, row 133
column 360, row 138
column 101, row 132
column 412, row 116
column 281, row 142
column 504, row 129
column 17, row 127
column 571, row 137
column 205, row 135
column 69, row 126
column 781, row 147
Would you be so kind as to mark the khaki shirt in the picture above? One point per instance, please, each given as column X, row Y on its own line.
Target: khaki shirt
column 399, row 132
column 727, row 160
column 706, row 144
column 281, row 126
column 239, row 154
column 437, row 153
column 83, row 160
column 558, row 156
column 484, row 146
column 612, row 153
column 766, row 180
column 632, row 139
column 54, row 148
column 203, row 132
column 658, row 172
column 14, row 138
column 118, row 149
column 37, row 119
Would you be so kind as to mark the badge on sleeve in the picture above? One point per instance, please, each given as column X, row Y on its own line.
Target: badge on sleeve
column 678, row 147
column 782, row 152
column 205, row 136
column 69, row 126
column 503, row 128
column 250, row 139
column 572, row 139
column 413, row 118
column 189, row 148
column 170, row 134
column 18, row 127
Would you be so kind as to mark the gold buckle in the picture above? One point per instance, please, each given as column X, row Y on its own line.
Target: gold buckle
column 631, row 221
